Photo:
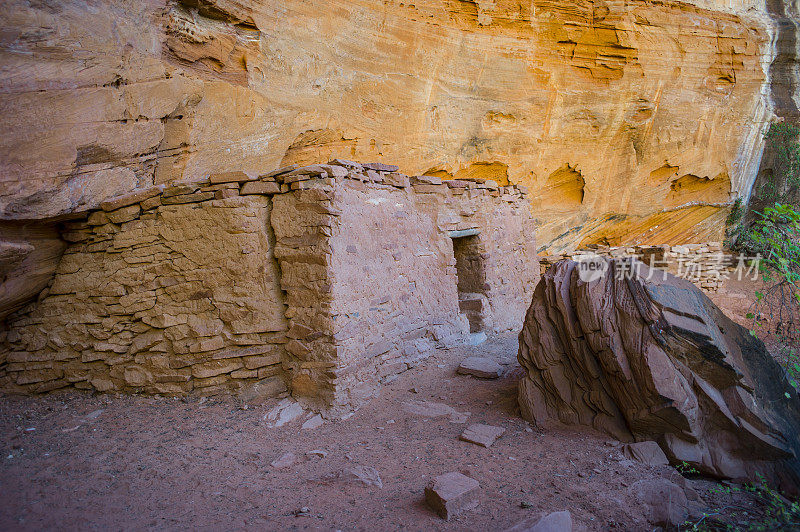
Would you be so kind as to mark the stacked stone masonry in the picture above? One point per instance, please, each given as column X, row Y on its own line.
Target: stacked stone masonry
column 323, row 280
column 706, row 265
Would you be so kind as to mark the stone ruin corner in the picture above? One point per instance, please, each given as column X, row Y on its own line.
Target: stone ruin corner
column 322, row 281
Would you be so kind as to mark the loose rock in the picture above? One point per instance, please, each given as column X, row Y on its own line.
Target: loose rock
column 359, row 474
column 284, row 412
column 484, row 368
column 285, row 460
column 552, row 522
column 665, row 502
column 481, row 434
column 313, row 422
column 646, row 452
column 452, row 494
column 430, row 409
column 317, row 453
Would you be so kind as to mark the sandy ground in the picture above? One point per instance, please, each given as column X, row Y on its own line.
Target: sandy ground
column 76, row 461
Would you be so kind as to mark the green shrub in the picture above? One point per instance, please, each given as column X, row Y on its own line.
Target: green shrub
column 782, row 141
column 770, row 511
column 775, row 313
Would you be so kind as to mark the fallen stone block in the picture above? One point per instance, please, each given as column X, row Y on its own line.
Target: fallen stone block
column 452, row 494
column 430, row 409
column 476, row 338
column 359, row 474
column 665, row 503
column 313, row 422
column 262, row 390
column 480, row 434
column 285, row 460
column 482, row 367
column 646, row 452
column 284, row 412
column 366, row 475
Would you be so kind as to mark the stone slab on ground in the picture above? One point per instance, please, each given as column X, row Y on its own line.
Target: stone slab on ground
column 282, row 413
column 646, row 452
column 552, row 522
column 665, row 501
column 481, row 434
column 358, row 475
column 313, row 422
column 477, row 338
column 431, row 409
column 285, row 460
column 482, row 367
column 452, row 494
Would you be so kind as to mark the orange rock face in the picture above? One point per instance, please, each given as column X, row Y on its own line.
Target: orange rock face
column 635, row 120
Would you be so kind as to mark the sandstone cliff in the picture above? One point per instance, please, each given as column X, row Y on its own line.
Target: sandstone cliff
column 633, row 120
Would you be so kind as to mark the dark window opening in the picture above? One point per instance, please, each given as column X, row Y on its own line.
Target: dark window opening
column 472, row 287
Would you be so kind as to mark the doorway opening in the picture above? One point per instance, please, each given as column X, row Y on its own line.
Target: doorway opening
column 472, row 286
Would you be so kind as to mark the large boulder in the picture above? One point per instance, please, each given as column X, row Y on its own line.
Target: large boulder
column 642, row 355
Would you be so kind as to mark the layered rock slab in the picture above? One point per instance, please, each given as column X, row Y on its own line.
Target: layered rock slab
column 643, row 355
column 177, row 89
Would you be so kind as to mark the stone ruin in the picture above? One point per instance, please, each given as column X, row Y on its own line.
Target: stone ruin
column 324, row 280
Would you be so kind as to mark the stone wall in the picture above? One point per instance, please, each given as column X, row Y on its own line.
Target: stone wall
column 396, row 293
column 176, row 293
column 706, row 265
column 327, row 278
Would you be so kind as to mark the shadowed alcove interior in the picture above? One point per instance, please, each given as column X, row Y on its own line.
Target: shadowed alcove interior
column 471, row 273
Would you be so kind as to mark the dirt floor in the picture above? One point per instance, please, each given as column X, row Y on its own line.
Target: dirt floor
column 76, row 461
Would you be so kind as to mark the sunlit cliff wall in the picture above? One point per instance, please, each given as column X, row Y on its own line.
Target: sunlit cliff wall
column 628, row 121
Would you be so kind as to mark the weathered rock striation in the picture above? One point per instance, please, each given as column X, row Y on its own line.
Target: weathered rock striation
column 646, row 356
column 325, row 280
column 619, row 116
